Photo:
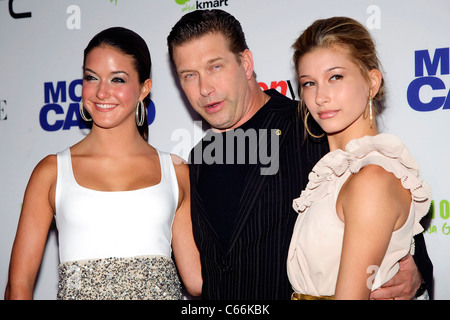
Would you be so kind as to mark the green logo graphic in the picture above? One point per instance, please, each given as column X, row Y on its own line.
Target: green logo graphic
column 439, row 215
column 186, row 7
column 195, row 5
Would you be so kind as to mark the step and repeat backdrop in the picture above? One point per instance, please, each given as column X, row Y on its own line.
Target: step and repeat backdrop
column 41, row 51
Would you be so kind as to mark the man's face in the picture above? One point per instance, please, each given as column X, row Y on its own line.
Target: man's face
column 215, row 83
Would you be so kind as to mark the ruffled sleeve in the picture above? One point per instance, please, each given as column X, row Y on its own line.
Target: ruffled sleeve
column 385, row 150
column 329, row 168
column 388, row 151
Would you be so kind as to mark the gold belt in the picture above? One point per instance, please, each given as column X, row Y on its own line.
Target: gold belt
column 301, row 296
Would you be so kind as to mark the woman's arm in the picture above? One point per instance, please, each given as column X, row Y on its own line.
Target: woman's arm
column 372, row 204
column 187, row 256
column 34, row 223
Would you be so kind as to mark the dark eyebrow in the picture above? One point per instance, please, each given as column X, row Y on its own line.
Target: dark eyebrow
column 209, row 62
column 114, row 72
column 327, row 70
column 334, row 68
column 117, row 72
column 87, row 69
column 184, row 71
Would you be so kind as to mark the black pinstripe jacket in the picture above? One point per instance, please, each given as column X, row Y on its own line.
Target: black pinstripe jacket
column 253, row 266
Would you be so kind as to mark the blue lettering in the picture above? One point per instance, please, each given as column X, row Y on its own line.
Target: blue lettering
column 56, row 92
column 43, row 117
column 447, row 102
column 423, row 57
column 151, row 112
column 74, row 109
column 49, row 90
column 72, row 119
column 72, row 85
column 414, row 98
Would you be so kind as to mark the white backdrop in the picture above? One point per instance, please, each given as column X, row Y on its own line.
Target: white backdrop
column 42, row 45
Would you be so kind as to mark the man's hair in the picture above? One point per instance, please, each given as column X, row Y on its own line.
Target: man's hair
column 198, row 23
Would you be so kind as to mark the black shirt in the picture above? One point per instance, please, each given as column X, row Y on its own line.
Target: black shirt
column 232, row 154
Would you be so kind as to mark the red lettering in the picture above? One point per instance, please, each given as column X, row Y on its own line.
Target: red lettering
column 263, row 86
column 280, row 84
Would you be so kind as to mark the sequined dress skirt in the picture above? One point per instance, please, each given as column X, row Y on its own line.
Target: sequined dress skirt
column 136, row 278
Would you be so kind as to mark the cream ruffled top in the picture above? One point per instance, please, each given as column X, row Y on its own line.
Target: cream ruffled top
column 315, row 250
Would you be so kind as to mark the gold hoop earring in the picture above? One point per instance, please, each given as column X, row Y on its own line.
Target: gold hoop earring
column 371, row 112
column 82, row 112
column 140, row 117
column 307, row 129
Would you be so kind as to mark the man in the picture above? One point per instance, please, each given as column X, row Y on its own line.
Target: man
column 241, row 210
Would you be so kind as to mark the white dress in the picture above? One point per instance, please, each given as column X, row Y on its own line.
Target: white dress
column 315, row 249
column 116, row 245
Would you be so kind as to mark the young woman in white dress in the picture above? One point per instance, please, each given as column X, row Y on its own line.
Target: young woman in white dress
column 121, row 206
column 363, row 203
